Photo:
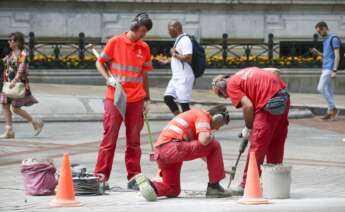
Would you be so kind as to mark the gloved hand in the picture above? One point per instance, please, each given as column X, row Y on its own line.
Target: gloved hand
column 147, row 106
column 245, row 133
column 111, row 81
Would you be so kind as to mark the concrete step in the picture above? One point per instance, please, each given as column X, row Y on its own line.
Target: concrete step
column 297, row 80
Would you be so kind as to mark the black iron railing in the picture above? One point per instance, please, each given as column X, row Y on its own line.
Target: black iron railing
column 222, row 54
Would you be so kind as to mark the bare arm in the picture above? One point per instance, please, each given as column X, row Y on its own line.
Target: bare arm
column 184, row 58
column 21, row 69
column 336, row 59
column 146, row 86
column 205, row 138
column 101, row 68
column 164, row 61
column 248, row 111
column 315, row 52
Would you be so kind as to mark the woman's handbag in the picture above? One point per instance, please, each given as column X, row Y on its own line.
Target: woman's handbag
column 18, row 91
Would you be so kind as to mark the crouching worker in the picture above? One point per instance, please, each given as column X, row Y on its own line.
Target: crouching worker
column 263, row 97
column 187, row 137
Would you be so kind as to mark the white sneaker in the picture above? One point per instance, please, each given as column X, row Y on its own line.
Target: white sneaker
column 7, row 134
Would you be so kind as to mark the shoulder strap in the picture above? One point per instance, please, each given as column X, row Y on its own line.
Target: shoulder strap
column 334, row 36
column 178, row 39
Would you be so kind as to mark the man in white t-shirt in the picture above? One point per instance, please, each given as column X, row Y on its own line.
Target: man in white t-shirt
column 181, row 84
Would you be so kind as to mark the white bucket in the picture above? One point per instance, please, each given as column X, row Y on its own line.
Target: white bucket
column 276, row 181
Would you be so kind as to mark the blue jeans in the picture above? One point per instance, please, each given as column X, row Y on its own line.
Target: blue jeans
column 325, row 87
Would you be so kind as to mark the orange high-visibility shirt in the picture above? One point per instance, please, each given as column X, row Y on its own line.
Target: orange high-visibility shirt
column 186, row 126
column 127, row 61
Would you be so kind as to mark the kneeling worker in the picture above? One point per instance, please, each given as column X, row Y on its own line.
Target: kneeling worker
column 187, row 137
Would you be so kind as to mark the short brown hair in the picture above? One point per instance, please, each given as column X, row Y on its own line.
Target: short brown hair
column 18, row 37
column 321, row 25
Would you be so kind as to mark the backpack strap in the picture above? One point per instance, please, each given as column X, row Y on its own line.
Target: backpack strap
column 331, row 42
column 178, row 39
column 176, row 42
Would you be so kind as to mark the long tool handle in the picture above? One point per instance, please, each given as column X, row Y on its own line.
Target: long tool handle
column 94, row 51
column 241, row 149
column 148, row 130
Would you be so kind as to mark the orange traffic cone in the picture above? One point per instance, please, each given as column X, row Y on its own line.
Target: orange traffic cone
column 65, row 192
column 252, row 191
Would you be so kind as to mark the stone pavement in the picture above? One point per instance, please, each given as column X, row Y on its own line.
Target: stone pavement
column 314, row 148
column 85, row 103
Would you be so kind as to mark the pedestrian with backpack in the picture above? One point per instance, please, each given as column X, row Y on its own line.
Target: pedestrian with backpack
column 187, row 62
column 331, row 62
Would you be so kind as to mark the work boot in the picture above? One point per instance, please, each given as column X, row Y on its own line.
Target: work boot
column 334, row 114
column 237, row 190
column 215, row 190
column 146, row 187
column 327, row 116
column 8, row 133
column 132, row 184
column 38, row 126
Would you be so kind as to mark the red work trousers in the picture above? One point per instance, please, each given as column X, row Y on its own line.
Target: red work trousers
column 134, row 122
column 170, row 157
column 267, row 139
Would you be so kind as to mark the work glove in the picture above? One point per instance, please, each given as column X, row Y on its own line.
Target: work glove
column 245, row 133
column 147, row 106
column 111, row 81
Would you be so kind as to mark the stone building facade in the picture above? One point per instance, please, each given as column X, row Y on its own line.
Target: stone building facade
column 206, row 19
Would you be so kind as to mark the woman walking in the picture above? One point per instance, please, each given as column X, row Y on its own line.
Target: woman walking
column 15, row 72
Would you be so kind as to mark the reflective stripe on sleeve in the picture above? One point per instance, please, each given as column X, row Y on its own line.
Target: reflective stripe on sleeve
column 181, row 121
column 105, row 56
column 175, row 129
column 202, row 125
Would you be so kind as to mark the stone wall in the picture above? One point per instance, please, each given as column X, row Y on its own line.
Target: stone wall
column 241, row 19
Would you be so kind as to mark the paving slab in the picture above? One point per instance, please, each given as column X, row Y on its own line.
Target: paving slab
column 315, row 151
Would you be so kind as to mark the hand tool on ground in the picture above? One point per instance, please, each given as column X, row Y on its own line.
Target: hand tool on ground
column 241, row 149
column 86, row 183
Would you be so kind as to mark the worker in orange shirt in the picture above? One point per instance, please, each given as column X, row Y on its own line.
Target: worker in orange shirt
column 127, row 96
column 188, row 136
